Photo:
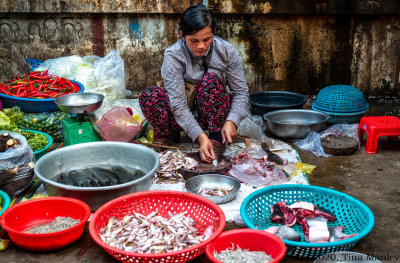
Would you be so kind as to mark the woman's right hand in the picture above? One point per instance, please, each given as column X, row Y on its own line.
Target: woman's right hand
column 206, row 148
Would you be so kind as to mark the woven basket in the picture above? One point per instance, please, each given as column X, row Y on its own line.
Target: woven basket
column 353, row 117
column 205, row 212
column 350, row 213
column 340, row 99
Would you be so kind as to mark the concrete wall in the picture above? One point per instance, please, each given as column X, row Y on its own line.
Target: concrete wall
column 295, row 45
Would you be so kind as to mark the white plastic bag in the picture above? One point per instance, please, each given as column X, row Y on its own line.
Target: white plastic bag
column 312, row 142
column 101, row 75
column 16, row 166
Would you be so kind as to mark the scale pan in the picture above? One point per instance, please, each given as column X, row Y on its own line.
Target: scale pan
column 79, row 102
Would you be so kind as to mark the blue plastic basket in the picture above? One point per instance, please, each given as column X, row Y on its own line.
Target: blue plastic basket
column 5, row 201
column 353, row 117
column 350, row 212
column 33, row 105
column 340, row 99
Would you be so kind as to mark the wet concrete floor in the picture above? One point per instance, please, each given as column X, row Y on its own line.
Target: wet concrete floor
column 373, row 179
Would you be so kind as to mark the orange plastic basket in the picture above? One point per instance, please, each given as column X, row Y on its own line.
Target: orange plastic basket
column 205, row 212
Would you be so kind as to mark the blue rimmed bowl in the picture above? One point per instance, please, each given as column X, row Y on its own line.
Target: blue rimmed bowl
column 5, row 202
column 33, row 105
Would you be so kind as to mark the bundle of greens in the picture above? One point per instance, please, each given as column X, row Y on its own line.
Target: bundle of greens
column 36, row 141
column 8, row 120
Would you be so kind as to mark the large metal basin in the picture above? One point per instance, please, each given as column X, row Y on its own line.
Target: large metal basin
column 93, row 154
column 295, row 124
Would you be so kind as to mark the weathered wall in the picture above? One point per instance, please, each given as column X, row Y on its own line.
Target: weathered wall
column 284, row 44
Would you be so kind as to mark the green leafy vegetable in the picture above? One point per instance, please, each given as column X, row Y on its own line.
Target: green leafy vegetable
column 36, row 141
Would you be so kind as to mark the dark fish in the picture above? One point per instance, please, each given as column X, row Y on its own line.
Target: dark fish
column 112, row 177
column 272, row 157
column 122, row 173
column 102, row 180
column 93, row 180
column 64, row 179
column 76, row 178
column 137, row 174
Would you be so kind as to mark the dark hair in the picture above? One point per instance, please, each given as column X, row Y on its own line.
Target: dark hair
column 195, row 18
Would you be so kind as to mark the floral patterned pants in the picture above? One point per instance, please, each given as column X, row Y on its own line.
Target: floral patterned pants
column 212, row 99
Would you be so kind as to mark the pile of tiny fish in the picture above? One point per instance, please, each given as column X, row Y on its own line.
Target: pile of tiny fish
column 214, row 191
column 58, row 224
column 153, row 233
column 170, row 163
column 242, row 255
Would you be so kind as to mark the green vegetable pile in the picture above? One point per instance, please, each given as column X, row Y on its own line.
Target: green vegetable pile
column 8, row 120
column 36, row 141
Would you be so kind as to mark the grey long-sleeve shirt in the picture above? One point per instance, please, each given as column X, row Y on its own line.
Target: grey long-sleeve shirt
column 181, row 65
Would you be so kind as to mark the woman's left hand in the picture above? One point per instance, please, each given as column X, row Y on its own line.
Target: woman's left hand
column 228, row 132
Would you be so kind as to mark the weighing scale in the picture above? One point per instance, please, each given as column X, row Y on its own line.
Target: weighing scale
column 80, row 128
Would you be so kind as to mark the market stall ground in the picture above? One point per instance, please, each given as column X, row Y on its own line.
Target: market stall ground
column 371, row 178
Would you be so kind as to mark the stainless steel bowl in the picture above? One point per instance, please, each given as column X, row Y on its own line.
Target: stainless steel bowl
column 79, row 102
column 295, row 124
column 194, row 184
column 94, row 154
column 346, row 257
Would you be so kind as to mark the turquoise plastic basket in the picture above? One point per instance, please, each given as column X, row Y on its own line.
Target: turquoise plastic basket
column 5, row 201
column 340, row 99
column 334, row 118
column 350, row 212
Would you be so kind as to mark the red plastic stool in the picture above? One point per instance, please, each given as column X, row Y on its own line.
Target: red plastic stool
column 377, row 126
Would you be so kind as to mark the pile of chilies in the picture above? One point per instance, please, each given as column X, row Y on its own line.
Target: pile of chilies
column 38, row 85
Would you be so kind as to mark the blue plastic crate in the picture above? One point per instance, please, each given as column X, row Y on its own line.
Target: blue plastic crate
column 34, row 63
column 33, row 105
column 340, row 99
column 355, row 216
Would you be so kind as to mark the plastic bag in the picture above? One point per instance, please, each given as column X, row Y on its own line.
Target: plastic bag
column 252, row 167
column 109, row 73
column 16, row 166
column 101, row 75
column 118, row 125
column 48, row 122
column 133, row 104
column 252, row 127
column 312, row 142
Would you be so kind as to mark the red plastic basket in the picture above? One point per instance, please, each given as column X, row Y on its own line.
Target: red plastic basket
column 21, row 216
column 202, row 210
column 251, row 239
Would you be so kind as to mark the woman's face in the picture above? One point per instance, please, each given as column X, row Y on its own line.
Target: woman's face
column 200, row 41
